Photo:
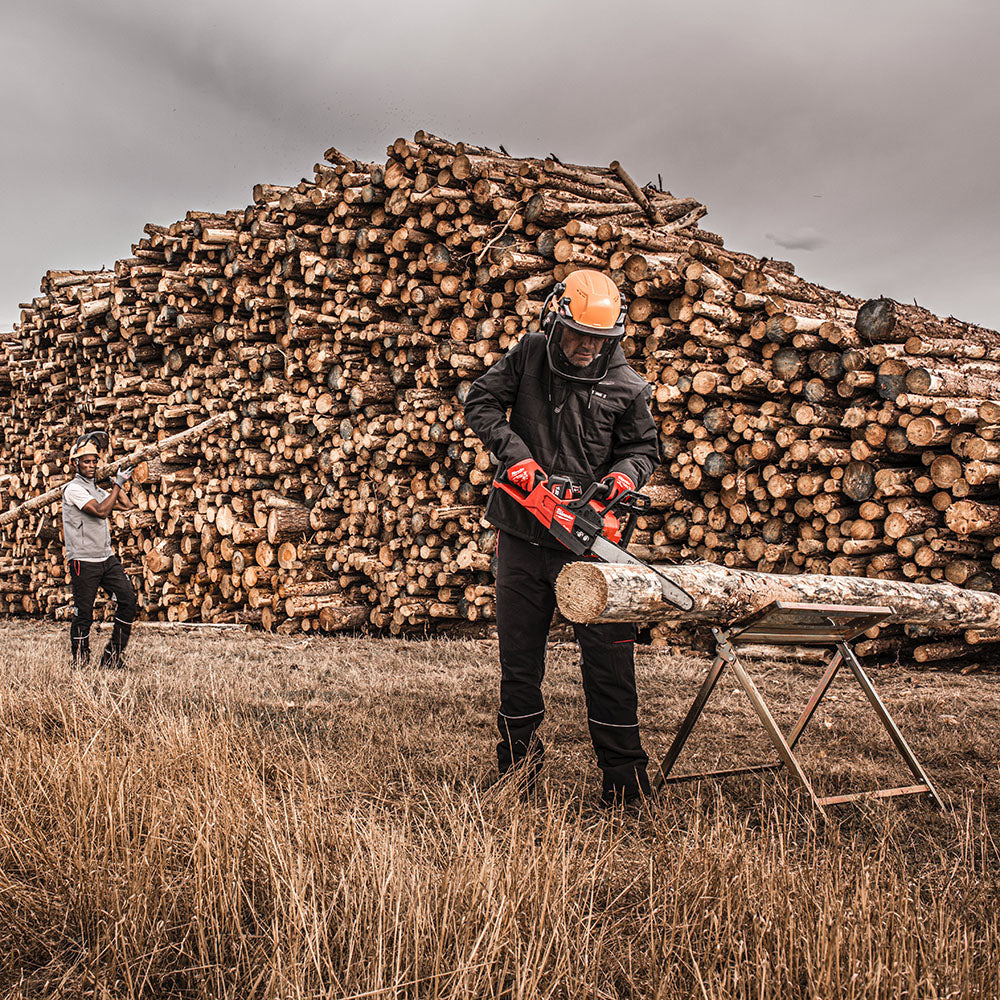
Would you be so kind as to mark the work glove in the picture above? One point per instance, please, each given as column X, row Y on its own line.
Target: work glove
column 526, row 474
column 122, row 476
column 617, row 484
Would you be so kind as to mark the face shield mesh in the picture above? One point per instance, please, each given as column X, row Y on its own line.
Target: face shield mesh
column 560, row 363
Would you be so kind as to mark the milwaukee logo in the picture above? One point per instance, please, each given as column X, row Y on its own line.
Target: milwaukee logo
column 564, row 517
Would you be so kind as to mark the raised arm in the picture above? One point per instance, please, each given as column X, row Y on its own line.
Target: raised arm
column 124, row 501
column 117, row 499
column 108, row 505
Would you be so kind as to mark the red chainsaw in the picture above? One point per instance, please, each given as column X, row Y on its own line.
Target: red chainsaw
column 590, row 525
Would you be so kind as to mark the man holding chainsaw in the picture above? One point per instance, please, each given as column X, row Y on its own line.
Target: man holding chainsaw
column 576, row 410
column 92, row 565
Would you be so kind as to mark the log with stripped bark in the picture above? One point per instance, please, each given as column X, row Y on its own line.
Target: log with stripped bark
column 589, row 592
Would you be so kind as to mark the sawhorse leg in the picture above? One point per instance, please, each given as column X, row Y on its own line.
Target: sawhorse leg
column 728, row 655
column 816, row 697
column 882, row 712
column 767, row 720
column 707, row 687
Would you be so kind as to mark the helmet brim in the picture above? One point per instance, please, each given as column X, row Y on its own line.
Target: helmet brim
column 615, row 332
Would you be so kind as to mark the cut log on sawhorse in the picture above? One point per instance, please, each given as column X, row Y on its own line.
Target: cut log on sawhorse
column 782, row 623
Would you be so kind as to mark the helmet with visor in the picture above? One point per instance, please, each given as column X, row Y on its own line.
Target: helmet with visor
column 583, row 320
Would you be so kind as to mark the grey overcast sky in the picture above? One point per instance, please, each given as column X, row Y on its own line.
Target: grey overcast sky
column 857, row 139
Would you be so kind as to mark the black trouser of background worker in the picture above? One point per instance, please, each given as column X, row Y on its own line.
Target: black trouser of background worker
column 526, row 600
column 86, row 578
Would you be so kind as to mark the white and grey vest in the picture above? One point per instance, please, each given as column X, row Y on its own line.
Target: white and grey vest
column 88, row 538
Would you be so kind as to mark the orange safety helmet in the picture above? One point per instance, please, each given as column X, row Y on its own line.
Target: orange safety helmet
column 588, row 302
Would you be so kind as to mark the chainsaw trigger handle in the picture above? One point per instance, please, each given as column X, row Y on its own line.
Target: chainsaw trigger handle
column 561, row 487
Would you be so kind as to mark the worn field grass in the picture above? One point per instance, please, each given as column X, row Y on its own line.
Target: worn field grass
column 253, row 816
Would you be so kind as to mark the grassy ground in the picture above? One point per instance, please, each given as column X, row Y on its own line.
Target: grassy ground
column 254, row 816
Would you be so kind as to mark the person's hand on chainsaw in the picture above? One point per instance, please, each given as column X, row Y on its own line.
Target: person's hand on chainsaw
column 526, row 474
column 122, row 476
column 617, row 484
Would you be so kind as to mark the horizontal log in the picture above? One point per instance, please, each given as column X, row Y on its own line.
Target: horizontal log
column 595, row 592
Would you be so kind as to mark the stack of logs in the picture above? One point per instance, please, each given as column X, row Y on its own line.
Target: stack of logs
column 343, row 318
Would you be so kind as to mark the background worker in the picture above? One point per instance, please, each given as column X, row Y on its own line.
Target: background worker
column 576, row 409
column 92, row 565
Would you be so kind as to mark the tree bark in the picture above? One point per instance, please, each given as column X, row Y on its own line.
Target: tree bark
column 589, row 592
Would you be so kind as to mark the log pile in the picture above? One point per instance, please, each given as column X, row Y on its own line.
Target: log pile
column 343, row 318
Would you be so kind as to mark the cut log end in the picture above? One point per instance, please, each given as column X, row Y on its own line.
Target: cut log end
column 583, row 594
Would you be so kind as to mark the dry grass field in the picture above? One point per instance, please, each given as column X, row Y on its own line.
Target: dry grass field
column 257, row 816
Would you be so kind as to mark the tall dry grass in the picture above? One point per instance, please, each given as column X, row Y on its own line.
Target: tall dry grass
column 263, row 817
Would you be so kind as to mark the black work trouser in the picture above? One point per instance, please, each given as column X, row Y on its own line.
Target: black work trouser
column 526, row 599
column 86, row 578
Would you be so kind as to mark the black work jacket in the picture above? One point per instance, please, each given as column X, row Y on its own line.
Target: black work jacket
column 569, row 428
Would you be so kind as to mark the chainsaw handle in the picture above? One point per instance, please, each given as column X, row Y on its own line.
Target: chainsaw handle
column 561, row 487
column 630, row 501
column 598, row 491
column 625, row 507
column 636, row 502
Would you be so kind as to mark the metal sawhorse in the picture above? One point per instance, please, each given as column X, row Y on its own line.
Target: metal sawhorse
column 782, row 623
